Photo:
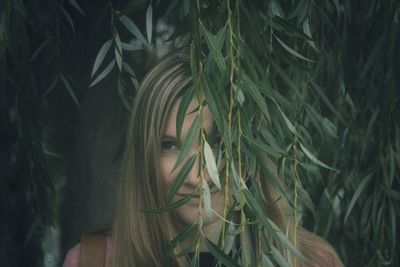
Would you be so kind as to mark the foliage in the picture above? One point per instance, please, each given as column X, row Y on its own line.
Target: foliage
column 312, row 85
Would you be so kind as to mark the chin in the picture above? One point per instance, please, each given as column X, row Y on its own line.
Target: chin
column 188, row 213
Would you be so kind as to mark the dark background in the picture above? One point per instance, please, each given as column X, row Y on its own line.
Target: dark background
column 61, row 140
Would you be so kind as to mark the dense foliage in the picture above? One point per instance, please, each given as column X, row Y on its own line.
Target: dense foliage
column 313, row 85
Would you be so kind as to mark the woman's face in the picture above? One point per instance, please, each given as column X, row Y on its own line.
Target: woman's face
column 170, row 150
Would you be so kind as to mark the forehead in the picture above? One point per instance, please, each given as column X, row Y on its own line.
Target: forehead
column 191, row 113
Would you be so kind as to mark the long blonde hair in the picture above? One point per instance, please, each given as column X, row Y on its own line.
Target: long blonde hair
column 140, row 238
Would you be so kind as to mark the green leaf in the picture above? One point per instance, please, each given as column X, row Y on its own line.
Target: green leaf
column 206, row 198
column 126, row 67
column 213, row 43
column 306, row 199
column 182, row 111
column 287, row 121
column 135, row 82
column 268, row 224
column 171, row 206
column 132, row 28
column 280, row 259
column 69, row 19
column 104, row 73
column 51, row 87
column 292, row 51
column 215, row 106
column 248, row 86
column 69, row 89
column 235, row 181
column 40, row 49
column 121, row 93
column 283, row 25
column 211, row 165
column 131, row 46
column 180, row 179
column 314, row 159
column 275, row 9
column 307, row 31
column 118, row 59
column 76, row 6
column 100, row 56
column 357, row 195
column 191, row 247
column 240, row 96
column 219, row 254
column 149, row 22
column 229, row 238
column 191, row 136
column 195, row 260
column 188, row 230
column 118, row 43
column 267, row 148
column 326, row 100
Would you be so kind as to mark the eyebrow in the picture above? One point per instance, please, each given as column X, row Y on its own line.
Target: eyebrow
column 169, row 137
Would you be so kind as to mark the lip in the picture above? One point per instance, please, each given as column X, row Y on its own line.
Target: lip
column 196, row 197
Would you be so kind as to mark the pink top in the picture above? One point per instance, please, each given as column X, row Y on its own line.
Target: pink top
column 73, row 256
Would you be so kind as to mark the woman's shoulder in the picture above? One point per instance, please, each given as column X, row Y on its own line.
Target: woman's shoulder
column 318, row 251
column 91, row 248
column 330, row 258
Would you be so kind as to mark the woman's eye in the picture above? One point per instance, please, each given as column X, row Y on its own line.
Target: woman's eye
column 168, row 145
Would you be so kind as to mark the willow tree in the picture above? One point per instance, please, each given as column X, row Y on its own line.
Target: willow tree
column 312, row 86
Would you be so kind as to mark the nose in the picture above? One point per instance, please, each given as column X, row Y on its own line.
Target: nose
column 193, row 177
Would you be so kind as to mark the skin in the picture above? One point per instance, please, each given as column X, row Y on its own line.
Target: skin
column 188, row 213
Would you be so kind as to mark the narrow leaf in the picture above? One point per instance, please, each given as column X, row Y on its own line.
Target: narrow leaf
column 104, row 73
column 214, row 105
column 180, row 237
column 100, row 56
column 76, row 6
column 190, row 138
column 267, row 148
column 69, row 19
column 118, row 43
column 213, row 43
column 280, row 259
column 219, row 254
column 53, row 84
column 307, row 31
column 128, row 69
column 287, row 121
column 180, row 179
column 131, row 46
column 69, row 89
column 357, row 195
column 268, row 224
column 135, row 82
column 132, row 28
column 182, row 111
column 149, row 22
column 292, row 51
column 171, row 206
column 314, row 159
column 252, row 89
column 207, row 198
column 211, row 164
column 40, row 48
column 306, row 199
column 118, row 58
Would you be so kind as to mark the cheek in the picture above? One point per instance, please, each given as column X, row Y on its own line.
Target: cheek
column 166, row 165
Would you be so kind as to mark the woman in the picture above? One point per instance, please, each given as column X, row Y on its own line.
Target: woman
column 140, row 238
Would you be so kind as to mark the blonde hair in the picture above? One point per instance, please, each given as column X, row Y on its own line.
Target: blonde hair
column 140, row 238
